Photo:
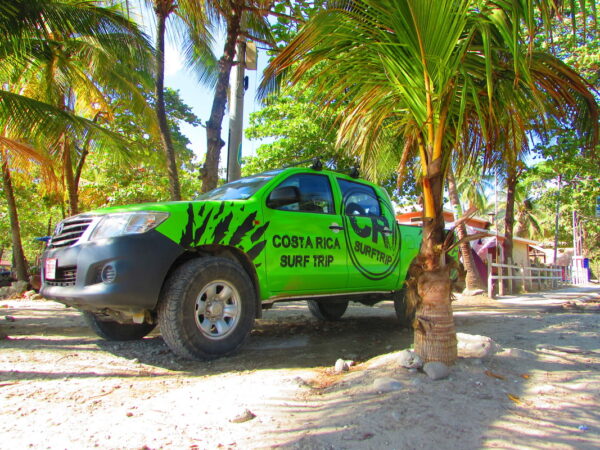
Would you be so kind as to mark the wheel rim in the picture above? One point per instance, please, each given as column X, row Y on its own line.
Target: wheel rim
column 218, row 309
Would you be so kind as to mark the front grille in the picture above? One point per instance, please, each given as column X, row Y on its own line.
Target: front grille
column 65, row 276
column 69, row 231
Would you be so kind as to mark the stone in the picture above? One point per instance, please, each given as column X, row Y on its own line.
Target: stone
column 341, row 366
column 386, row 384
column 242, row 417
column 409, row 359
column 436, row 370
column 474, row 346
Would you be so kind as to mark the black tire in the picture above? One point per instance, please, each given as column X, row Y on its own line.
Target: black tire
column 187, row 325
column 329, row 311
column 404, row 318
column 115, row 331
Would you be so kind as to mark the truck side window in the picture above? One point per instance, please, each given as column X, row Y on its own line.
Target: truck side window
column 359, row 199
column 314, row 194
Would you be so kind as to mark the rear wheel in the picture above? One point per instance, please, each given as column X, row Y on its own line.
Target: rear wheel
column 329, row 311
column 207, row 308
column 115, row 331
column 400, row 306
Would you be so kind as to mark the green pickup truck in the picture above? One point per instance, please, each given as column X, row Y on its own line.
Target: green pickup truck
column 203, row 270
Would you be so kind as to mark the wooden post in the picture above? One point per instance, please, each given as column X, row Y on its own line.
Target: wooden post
column 500, row 280
column 510, row 275
column 522, row 275
column 490, row 275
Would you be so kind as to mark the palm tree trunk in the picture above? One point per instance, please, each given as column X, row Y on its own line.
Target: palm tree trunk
column 509, row 218
column 163, row 9
column 15, row 229
column 214, row 143
column 521, row 228
column 473, row 280
column 435, row 335
column 72, row 195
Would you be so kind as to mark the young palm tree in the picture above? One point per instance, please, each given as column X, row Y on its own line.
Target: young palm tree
column 425, row 70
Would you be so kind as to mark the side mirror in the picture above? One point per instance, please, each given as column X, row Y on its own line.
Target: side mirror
column 283, row 196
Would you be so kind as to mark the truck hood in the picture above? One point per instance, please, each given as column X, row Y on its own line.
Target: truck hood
column 158, row 206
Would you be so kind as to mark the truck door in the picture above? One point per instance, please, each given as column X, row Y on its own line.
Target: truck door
column 372, row 237
column 306, row 248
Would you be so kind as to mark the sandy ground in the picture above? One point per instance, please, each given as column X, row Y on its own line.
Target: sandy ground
column 62, row 387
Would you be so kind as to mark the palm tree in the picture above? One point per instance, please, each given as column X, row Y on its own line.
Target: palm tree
column 16, row 154
column 474, row 183
column 30, row 28
column 242, row 20
column 527, row 222
column 26, row 23
column 565, row 97
column 424, row 69
column 190, row 21
column 75, row 72
column 473, row 280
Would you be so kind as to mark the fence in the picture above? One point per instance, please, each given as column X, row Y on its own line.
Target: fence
column 544, row 277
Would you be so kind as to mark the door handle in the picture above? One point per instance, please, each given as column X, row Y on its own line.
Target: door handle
column 336, row 227
column 386, row 230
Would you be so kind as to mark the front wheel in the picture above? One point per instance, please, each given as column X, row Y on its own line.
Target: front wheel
column 207, row 308
column 115, row 331
column 329, row 311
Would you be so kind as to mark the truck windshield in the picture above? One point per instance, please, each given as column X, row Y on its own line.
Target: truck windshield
column 240, row 189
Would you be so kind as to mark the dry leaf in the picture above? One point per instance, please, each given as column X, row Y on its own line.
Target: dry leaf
column 526, row 376
column 514, row 398
column 489, row 373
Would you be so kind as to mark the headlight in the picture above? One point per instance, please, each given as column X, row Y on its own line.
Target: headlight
column 127, row 223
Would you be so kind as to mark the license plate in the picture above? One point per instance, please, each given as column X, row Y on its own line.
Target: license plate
column 50, row 269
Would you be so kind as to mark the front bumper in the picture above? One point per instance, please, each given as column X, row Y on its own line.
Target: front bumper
column 140, row 262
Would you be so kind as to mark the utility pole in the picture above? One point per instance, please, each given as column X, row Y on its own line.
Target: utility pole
column 556, row 220
column 575, row 235
column 238, row 83
column 236, row 113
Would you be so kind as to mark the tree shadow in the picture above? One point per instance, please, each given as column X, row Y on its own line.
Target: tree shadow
column 509, row 401
column 289, row 338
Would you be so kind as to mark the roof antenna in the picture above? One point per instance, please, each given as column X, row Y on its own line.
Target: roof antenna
column 317, row 164
column 354, row 173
